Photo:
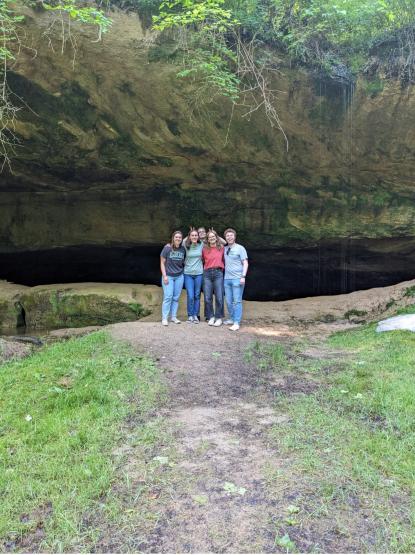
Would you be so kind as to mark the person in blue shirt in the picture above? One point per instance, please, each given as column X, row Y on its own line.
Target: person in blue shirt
column 236, row 268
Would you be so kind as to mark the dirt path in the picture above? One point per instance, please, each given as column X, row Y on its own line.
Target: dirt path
column 220, row 409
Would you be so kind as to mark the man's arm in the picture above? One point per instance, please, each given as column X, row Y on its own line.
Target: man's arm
column 244, row 270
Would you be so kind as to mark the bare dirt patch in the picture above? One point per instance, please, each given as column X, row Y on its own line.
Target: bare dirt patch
column 221, row 408
column 220, row 411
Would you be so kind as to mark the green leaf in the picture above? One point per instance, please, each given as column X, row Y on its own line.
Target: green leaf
column 285, row 542
column 201, row 499
column 161, row 460
column 293, row 509
column 231, row 488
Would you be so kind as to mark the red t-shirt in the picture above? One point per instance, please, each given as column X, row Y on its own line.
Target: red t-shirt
column 213, row 258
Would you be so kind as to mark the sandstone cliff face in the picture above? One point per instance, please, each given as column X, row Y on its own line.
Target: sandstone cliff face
column 110, row 156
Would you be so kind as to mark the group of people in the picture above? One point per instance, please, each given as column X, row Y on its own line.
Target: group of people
column 204, row 261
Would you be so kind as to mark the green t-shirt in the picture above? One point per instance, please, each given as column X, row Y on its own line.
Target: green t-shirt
column 193, row 265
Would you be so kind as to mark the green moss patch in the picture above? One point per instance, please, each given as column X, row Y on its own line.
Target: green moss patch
column 60, row 308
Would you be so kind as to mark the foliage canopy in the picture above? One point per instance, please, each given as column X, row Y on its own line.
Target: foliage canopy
column 229, row 47
column 325, row 33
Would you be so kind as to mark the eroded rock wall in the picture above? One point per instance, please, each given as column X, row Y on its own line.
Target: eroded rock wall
column 111, row 154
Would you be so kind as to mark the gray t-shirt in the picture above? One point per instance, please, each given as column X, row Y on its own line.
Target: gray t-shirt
column 174, row 260
column 234, row 255
column 193, row 265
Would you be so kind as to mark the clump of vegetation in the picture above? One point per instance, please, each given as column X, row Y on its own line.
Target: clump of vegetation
column 354, row 312
column 267, row 356
column 375, row 87
column 410, row 291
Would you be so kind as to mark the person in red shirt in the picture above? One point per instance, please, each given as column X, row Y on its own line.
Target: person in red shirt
column 213, row 268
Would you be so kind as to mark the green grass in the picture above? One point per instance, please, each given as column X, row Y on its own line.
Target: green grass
column 267, row 356
column 355, row 436
column 410, row 291
column 410, row 309
column 63, row 411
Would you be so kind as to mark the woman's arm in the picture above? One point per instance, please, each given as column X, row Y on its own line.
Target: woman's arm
column 163, row 270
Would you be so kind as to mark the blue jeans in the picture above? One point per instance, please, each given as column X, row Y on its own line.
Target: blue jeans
column 213, row 283
column 233, row 293
column 193, row 286
column 171, row 295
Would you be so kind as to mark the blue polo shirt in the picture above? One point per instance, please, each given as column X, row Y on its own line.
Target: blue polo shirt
column 234, row 256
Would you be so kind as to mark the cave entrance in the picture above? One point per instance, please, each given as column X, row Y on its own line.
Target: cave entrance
column 328, row 268
column 20, row 316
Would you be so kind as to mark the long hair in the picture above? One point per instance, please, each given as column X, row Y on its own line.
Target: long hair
column 172, row 238
column 219, row 245
column 188, row 240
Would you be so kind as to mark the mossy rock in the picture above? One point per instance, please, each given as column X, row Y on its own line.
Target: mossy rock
column 11, row 310
column 10, row 314
column 66, row 308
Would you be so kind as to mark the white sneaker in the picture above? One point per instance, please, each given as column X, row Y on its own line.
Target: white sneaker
column 235, row 327
column 190, row 320
column 195, row 320
column 164, row 322
column 218, row 323
column 228, row 322
column 211, row 322
column 176, row 321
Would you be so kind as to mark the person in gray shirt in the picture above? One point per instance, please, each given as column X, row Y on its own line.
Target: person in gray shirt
column 236, row 268
column 172, row 261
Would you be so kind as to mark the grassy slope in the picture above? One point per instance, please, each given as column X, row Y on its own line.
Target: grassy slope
column 62, row 414
column 352, row 439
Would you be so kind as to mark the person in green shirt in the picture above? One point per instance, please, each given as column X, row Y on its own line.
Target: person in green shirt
column 193, row 274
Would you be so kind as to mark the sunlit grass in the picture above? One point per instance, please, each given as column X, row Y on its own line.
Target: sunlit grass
column 61, row 415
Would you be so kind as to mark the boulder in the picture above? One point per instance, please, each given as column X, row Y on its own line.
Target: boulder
column 77, row 304
column 11, row 350
column 404, row 322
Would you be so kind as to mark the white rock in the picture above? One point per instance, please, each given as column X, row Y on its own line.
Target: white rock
column 404, row 322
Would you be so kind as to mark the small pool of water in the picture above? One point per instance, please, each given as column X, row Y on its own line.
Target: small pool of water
column 39, row 333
